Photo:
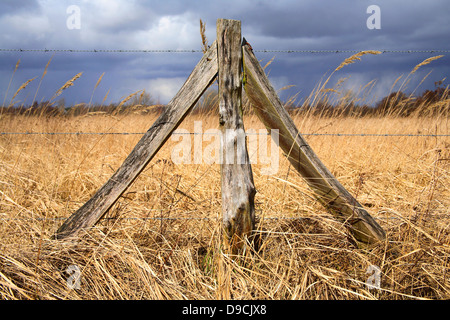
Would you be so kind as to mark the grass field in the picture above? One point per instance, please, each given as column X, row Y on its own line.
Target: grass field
column 139, row 252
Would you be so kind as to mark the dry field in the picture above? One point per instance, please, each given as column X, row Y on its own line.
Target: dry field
column 162, row 239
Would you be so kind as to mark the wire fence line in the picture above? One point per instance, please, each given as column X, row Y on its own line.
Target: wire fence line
column 180, row 51
column 178, row 218
column 269, row 218
column 201, row 51
column 248, row 133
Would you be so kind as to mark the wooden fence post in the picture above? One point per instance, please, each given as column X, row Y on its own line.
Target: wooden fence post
column 238, row 189
column 225, row 58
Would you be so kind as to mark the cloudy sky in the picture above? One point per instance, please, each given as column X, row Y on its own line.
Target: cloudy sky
column 174, row 25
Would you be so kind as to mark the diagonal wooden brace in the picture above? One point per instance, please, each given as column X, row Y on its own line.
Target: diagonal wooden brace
column 327, row 188
column 92, row 211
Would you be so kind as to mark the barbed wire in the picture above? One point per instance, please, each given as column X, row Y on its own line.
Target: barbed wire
column 172, row 218
column 351, row 51
column 248, row 133
column 105, row 50
column 270, row 218
column 200, row 51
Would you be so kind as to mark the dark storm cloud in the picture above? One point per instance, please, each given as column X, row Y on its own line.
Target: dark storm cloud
column 305, row 19
column 174, row 24
column 17, row 6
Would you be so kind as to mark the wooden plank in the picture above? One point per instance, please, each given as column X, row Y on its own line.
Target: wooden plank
column 327, row 188
column 238, row 190
column 89, row 214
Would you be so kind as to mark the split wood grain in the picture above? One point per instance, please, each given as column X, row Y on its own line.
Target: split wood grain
column 327, row 188
column 238, row 190
column 92, row 211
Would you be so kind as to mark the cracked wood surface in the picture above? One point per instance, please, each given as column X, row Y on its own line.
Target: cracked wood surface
column 327, row 188
column 92, row 211
column 238, row 190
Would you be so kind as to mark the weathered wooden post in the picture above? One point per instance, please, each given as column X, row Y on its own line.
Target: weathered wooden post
column 238, row 190
column 226, row 58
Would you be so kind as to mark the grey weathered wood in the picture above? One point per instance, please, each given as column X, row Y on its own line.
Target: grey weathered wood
column 238, row 190
column 327, row 188
column 89, row 214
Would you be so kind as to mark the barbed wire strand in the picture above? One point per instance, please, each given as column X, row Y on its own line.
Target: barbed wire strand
column 200, row 51
column 168, row 218
column 248, row 133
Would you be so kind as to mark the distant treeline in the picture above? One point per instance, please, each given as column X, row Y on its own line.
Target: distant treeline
column 430, row 102
column 44, row 108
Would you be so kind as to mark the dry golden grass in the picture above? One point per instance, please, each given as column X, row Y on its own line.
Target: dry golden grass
column 139, row 252
column 42, row 77
column 22, row 87
column 95, row 87
column 203, row 36
column 355, row 57
column 10, row 80
column 425, row 62
column 162, row 239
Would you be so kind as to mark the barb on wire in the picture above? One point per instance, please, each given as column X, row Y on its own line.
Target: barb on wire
column 351, row 51
column 103, row 50
column 200, row 51
column 211, row 133
column 280, row 218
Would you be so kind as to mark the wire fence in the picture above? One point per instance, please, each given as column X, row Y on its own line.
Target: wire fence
column 217, row 219
column 180, row 51
column 42, row 219
column 270, row 218
column 248, row 133
column 307, row 51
